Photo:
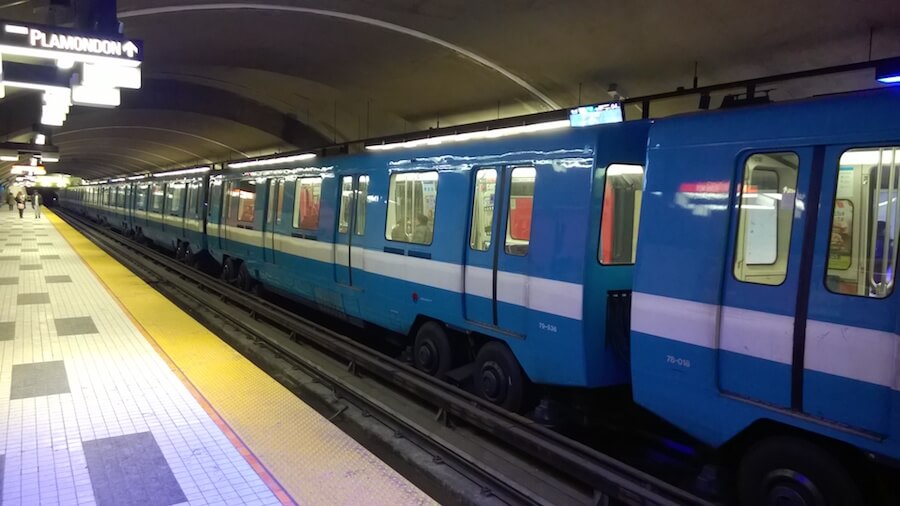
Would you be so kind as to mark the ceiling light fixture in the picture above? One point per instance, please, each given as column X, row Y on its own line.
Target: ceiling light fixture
column 471, row 136
column 272, row 161
column 182, row 172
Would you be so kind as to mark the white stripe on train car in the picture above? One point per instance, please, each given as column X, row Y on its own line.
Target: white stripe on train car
column 546, row 295
column 857, row 353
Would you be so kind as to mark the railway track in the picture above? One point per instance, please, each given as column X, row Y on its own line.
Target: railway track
column 463, row 449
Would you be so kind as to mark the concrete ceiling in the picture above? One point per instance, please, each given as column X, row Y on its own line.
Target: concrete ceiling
column 231, row 80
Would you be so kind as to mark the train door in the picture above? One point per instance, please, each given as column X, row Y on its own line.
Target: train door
column 851, row 349
column 275, row 204
column 497, row 255
column 351, row 224
column 761, row 316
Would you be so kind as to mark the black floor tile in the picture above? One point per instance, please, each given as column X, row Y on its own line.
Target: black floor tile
column 58, row 279
column 30, row 267
column 9, row 281
column 7, row 332
column 75, row 326
column 49, row 257
column 33, row 298
column 38, row 379
column 131, row 470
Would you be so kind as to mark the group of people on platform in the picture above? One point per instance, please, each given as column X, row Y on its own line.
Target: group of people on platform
column 19, row 200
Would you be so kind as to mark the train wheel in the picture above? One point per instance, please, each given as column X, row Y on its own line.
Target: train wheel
column 189, row 258
column 244, row 280
column 229, row 270
column 498, row 377
column 179, row 251
column 432, row 352
column 791, row 471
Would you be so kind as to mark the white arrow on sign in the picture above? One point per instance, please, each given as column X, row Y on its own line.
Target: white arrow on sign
column 130, row 49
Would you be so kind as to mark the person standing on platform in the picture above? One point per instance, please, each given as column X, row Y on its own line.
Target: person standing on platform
column 10, row 200
column 20, row 204
column 36, row 204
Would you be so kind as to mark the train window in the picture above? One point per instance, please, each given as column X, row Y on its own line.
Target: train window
column 280, row 207
column 242, row 197
column 307, row 198
column 621, row 214
column 175, row 197
column 362, row 197
column 194, row 199
column 765, row 218
column 521, row 200
column 411, row 206
column 346, row 199
column 482, row 232
column 141, row 198
column 865, row 223
column 157, row 197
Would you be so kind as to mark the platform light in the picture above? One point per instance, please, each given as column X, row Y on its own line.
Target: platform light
column 117, row 180
column 182, row 172
column 40, row 139
column 111, row 76
column 889, row 72
column 137, row 178
column 65, row 63
column 89, row 95
column 470, row 136
column 272, row 161
column 49, row 159
column 9, row 158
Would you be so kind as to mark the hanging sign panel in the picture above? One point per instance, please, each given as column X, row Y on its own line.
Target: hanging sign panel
column 39, row 41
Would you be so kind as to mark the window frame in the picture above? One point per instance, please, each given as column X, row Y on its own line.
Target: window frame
column 738, row 197
column 498, row 173
column 603, row 206
column 296, row 218
column 896, row 260
column 387, row 208
column 362, row 202
column 507, row 235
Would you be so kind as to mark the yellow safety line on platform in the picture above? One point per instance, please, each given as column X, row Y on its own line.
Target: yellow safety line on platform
column 312, row 459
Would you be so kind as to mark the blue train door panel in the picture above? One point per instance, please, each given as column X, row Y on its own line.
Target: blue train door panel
column 480, row 252
column 851, row 349
column 274, row 197
column 343, row 237
column 497, row 253
column 759, row 309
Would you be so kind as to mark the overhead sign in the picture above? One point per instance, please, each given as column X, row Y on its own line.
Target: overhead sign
column 40, row 41
column 596, row 115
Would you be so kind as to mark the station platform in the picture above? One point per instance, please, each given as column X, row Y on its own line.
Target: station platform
column 111, row 395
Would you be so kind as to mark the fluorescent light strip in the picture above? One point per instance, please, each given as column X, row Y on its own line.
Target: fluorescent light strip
column 196, row 170
column 471, row 136
column 272, row 161
column 889, row 79
column 51, row 54
column 16, row 29
column 137, row 178
column 9, row 158
column 117, row 180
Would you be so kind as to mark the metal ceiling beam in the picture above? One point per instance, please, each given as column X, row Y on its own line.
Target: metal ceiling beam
column 174, row 95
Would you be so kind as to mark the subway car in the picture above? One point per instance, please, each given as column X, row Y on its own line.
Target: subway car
column 757, row 253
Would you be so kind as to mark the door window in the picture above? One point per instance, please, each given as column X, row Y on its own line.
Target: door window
column 483, row 209
column 346, row 207
column 521, row 200
column 862, row 253
column 621, row 214
column 362, row 198
column 766, row 215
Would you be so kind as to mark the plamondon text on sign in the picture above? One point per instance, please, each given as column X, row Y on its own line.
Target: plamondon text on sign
column 81, row 44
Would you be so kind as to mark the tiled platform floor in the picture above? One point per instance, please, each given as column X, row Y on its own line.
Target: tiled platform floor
column 89, row 411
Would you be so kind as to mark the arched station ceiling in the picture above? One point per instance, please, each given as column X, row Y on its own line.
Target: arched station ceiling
column 231, row 80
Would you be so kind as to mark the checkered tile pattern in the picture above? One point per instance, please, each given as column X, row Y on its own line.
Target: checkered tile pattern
column 117, row 385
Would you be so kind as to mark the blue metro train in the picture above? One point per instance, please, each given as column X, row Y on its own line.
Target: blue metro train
column 760, row 303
